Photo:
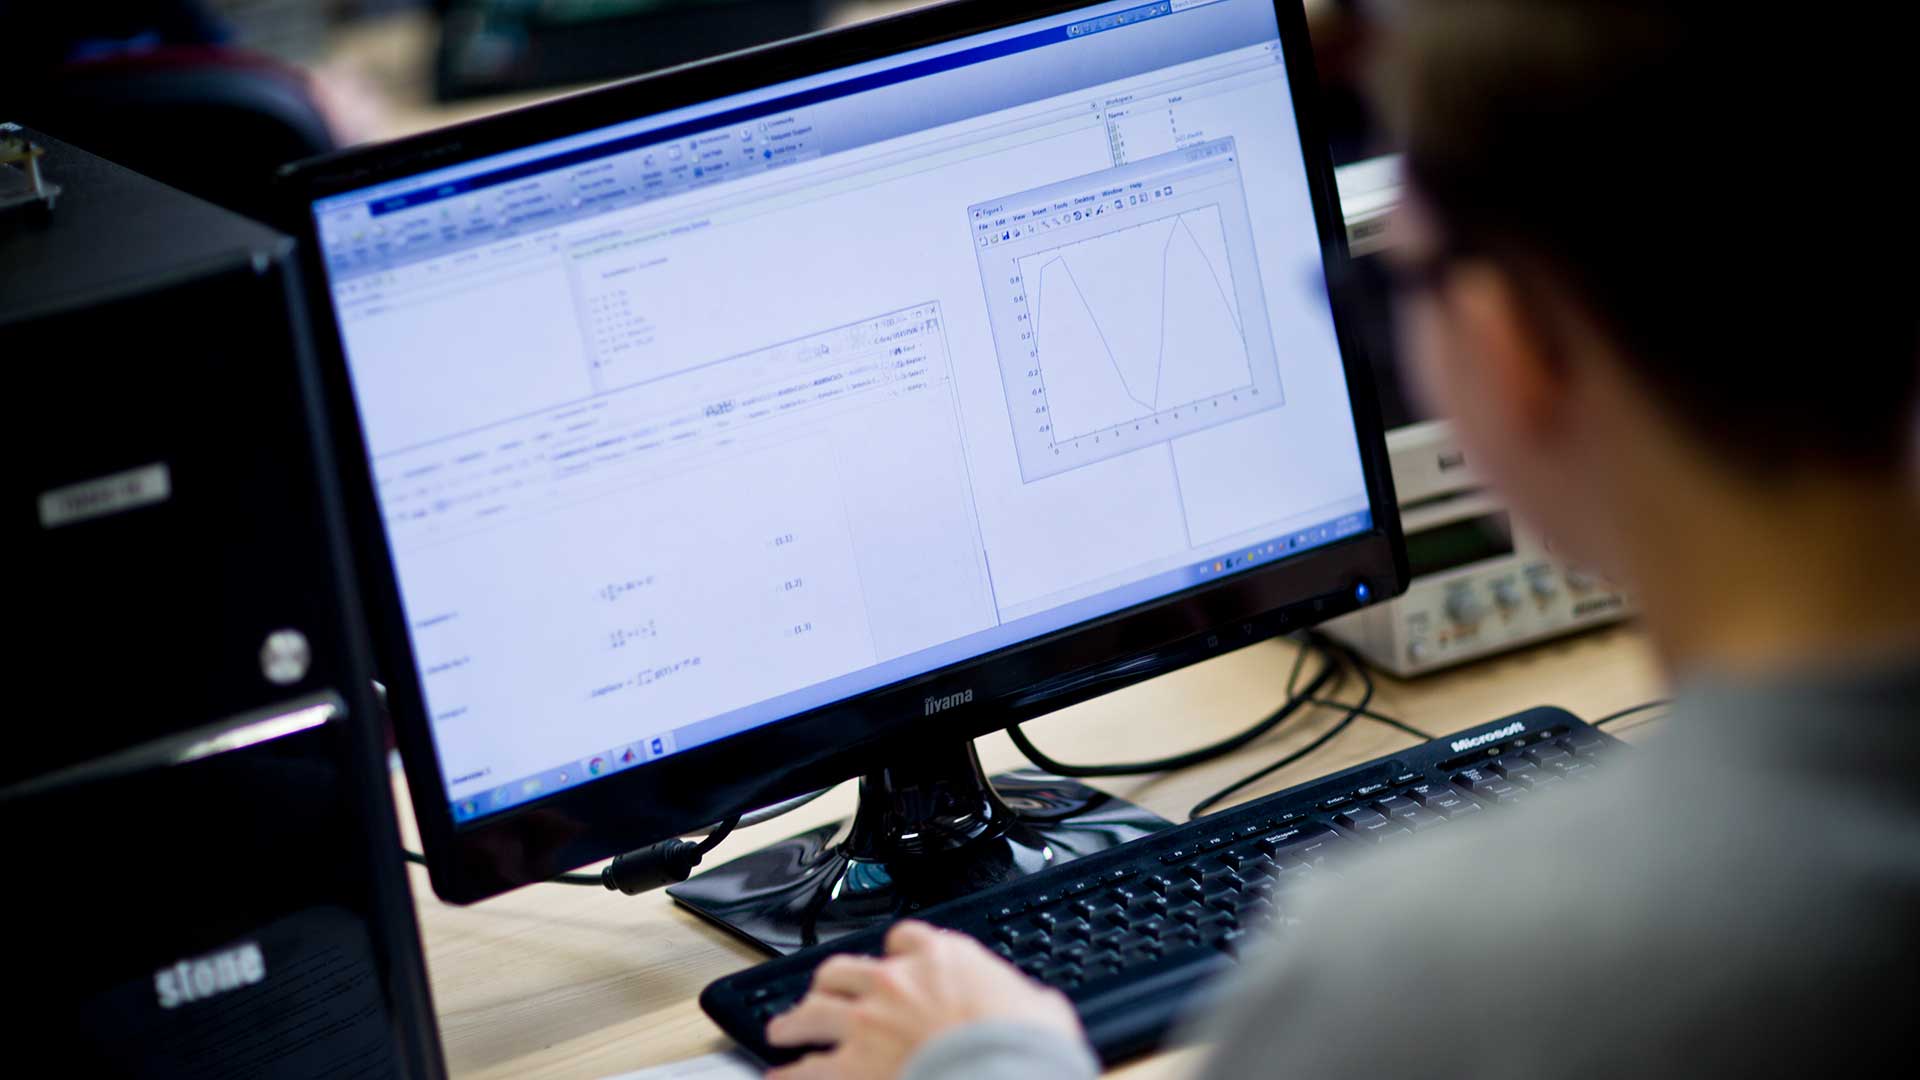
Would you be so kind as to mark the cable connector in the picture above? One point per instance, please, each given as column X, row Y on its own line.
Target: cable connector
column 656, row 866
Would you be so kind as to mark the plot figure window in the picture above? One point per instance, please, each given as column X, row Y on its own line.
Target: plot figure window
column 1126, row 307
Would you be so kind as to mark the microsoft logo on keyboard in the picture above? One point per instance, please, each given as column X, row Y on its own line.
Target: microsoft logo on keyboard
column 1484, row 738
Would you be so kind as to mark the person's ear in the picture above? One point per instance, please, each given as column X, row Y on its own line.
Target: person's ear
column 1520, row 375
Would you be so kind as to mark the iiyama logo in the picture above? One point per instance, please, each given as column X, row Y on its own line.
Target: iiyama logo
column 210, row 975
column 1483, row 739
column 941, row 704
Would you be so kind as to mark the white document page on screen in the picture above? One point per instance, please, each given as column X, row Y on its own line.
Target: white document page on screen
column 591, row 550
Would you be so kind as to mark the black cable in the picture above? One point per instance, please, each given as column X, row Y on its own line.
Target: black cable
column 1392, row 722
column 1629, row 711
column 1354, row 712
column 665, row 863
column 1294, row 700
column 557, row 879
column 668, row 862
column 712, row 839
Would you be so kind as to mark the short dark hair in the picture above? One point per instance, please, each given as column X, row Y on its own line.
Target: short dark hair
column 1709, row 180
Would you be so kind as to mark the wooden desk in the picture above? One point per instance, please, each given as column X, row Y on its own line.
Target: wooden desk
column 564, row 981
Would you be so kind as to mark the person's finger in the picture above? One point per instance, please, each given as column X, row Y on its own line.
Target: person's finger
column 817, row 1066
column 819, row 1020
column 845, row 974
column 909, row 937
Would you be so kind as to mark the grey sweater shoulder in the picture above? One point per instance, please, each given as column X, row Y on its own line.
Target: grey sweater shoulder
column 1744, row 895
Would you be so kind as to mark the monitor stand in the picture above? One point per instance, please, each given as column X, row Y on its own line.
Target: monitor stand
column 925, row 831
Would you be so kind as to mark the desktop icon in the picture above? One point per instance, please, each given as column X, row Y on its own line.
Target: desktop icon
column 468, row 809
column 531, row 787
column 597, row 766
column 628, row 757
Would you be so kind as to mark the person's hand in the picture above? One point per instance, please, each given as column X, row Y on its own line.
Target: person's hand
column 873, row 1013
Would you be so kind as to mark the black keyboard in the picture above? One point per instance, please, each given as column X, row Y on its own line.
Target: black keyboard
column 1131, row 934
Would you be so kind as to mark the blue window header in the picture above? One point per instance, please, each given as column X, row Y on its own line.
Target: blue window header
column 860, row 84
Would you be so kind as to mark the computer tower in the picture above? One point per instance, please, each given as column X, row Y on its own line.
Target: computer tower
column 204, row 871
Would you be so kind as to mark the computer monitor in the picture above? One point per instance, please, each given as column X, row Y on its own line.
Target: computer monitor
column 806, row 413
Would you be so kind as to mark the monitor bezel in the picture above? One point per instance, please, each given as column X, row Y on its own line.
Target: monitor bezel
column 693, row 788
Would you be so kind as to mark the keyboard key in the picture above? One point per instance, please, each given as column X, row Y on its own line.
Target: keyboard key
column 1288, row 842
column 1546, row 752
column 1221, row 881
column 1405, row 778
column 1216, row 842
column 1443, row 800
column 1083, row 887
column 1397, row 806
column 1335, row 802
column 1422, row 820
column 1247, row 832
column 1360, row 818
column 1370, row 824
column 1150, row 905
column 1115, row 877
column 1512, row 766
column 1479, row 780
column 1368, row 791
column 1004, row 912
column 1187, row 913
column 1179, row 855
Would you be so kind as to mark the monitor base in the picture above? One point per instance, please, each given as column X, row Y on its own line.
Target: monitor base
column 924, row 832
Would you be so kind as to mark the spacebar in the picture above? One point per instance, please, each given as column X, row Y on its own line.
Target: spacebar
column 1130, row 1013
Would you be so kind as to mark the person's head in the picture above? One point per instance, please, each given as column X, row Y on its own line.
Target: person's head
column 1646, row 250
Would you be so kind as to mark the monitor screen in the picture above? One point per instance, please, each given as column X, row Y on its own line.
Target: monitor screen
column 686, row 425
